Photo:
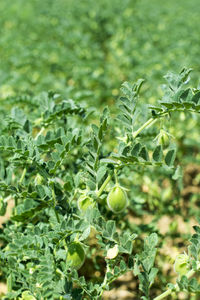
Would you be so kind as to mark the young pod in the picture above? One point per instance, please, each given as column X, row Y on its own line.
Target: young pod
column 75, row 255
column 117, row 199
column 84, row 202
column 27, row 296
column 181, row 265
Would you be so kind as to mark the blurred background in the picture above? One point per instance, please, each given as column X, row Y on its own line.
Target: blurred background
column 86, row 49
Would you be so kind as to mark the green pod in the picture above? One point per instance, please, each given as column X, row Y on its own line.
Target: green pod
column 117, row 199
column 84, row 202
column 181, row 265
column 75, row 255
column 27, row 296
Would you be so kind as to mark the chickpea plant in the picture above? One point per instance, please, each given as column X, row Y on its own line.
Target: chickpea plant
column 66, row 178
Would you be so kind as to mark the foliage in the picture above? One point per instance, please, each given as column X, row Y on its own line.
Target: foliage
column 86, row 49
column 62, row 159
column 53, row 151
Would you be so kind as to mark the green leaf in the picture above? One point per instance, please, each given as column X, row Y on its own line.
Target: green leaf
column 101, row 173
column 178, row 173
column 170, row 157
column 158, row 153
column 144, row 153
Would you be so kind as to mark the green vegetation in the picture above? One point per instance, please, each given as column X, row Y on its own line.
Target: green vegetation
column 99, row 169
column 86, row 49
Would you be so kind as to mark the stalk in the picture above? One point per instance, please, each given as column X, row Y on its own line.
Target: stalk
column 169, row 291
column 104, row 283
column 100, row 191
column 54, row 201
column 40, row 132
column 116, row 178
column 23, row 175
column 149, row 123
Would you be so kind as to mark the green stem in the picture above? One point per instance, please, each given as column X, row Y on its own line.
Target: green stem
column 100, row 191
column 169, row 291
column 23, row 175
column 40, row 132
column 116, row 178
column 163, row 295
column 7, row 199
column 57, row 216
column 104, row 283
column 150, row 122
column 54, row 201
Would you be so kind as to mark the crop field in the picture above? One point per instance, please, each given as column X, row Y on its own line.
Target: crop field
column 99, row 150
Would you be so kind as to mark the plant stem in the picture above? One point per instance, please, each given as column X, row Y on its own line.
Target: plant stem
column 54, row 200
column 116, row 178
column 57, row 216
column 104, row 283
column 23, row 175
column 150, row 122
column 169, row 291
column 163, row 295
column 40, row 132
column 8, row 198
column 100, row 191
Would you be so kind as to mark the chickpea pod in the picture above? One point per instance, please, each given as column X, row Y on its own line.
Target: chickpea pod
column 75, row 255
column 117, row 199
